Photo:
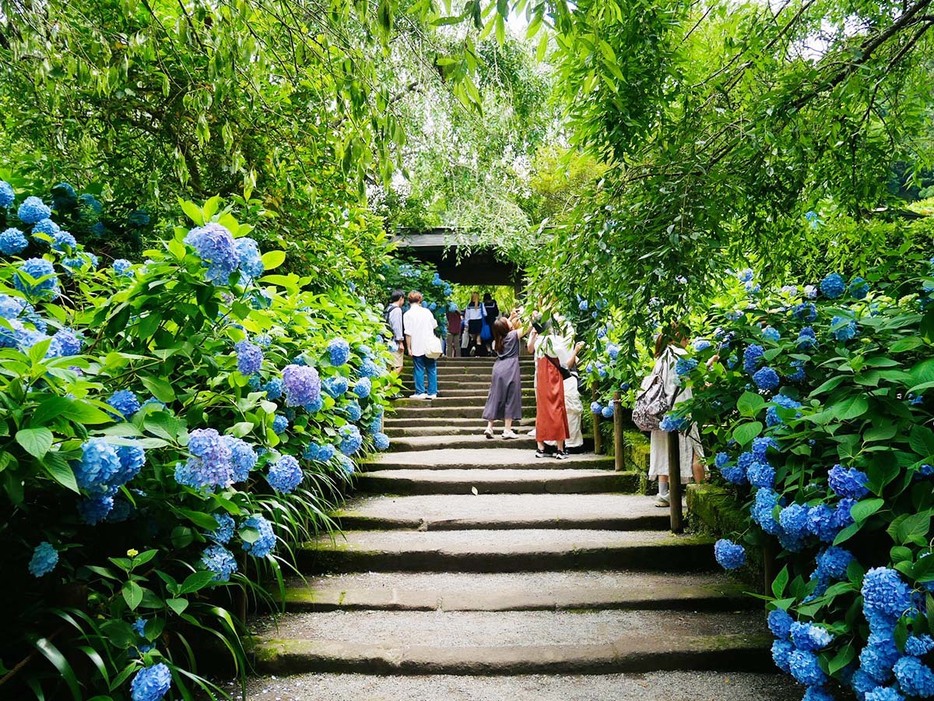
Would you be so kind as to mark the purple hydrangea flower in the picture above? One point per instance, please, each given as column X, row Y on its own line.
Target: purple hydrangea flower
column 242, row 458
column 249, row 357
column 209, row 463
column 302, row 385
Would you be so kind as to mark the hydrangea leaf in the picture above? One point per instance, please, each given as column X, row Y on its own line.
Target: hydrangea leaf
column 750, row 404
column 35, row 441
column 160, row 389
column 273, row 259
column 177, row 605
column 744, row 433
column 864, row 509
column 58, row 469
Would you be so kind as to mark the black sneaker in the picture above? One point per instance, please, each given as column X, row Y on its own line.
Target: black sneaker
column 540, row 454
column 561, row 455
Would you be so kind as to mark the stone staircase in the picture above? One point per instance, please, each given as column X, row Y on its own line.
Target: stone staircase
column 467, row 556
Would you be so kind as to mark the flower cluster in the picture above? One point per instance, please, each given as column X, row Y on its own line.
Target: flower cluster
column 151, row 683
column 36, row 278
column 44, row 559
column 730, row 555
column 220, row 561
column 350, row 439
column 217, row 249
column 338, row 351
column 249, row 357
column 12, row 241
column 285, row 474
column 301, row 384
column 259, row 540
column 210, row 461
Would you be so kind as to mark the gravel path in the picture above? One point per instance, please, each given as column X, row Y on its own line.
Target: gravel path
column 667, row 686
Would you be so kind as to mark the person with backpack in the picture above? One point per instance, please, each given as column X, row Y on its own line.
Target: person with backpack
column 393, row 316
column 490, row 315
column 473, row 318
column 659, row 393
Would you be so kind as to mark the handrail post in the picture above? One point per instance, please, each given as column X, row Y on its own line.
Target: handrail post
column 619, row 446
column 597, row 438
column 674, row 481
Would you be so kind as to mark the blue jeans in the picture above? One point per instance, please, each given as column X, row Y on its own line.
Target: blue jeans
column 423, row 363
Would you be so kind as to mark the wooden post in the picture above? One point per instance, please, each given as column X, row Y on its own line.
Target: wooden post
column 674, row 481
column 769, row 568
column 619, row 446
column 597, row 438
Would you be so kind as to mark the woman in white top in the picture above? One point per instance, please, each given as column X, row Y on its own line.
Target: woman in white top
column 473, row 319
column 669, row 346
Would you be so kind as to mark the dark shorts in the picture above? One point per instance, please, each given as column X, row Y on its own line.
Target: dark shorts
column 474, row 326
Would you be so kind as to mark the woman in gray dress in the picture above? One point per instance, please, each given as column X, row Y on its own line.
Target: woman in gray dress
column 504, row 402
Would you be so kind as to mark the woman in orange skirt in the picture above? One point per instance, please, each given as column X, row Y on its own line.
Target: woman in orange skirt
column 551, row 417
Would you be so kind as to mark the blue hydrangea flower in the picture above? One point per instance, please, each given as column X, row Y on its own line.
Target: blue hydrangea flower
column 33, row 210
column 98, row 466
column 766, row 379
column 744, row 275
column 350, row 439
column 721, row 460
column 376, row 424
column 832, row 564
column 760, row 447
column 672, row 423
column 138, row 218
column 841, row 515
column 771, row 334
column 63, row 241
column 734, row 475
column 326, row 453
column 832, row 286
column 12, row 241
column 878, row 658
column 805, row 668
column 338, row 351
column 280, row 423
column 79, row 263
column 217, row 249
column 32, row 270
column 44, row 559
column 772, row 417
column 883, row 693
column 93, row 510
column 369, row 369
column 607, row 411
column 794, row 521
column 752, row 356
column 249, row 357
column 225, row 528
column 363, row 387
column 700, row 344
column 219, row 560
column 266, row 539
column 781, row 652
column 806, row 311
column 65, row 342
column 274, row 388
column 684, row 366
column 132, row 458
column 780, row 622
column 47, row 227
column 242, row 458
column 762, row 511
column 353, row 412
column 380, row 441
column 151, row 683
column 596, row 408
column 816, row 693
column 807, row 636
column 122, row 267
column 848, row 482
column 807, row 339
column 848, row 331
column 314, row 406
column 91, row 203
column 799, row 374
column 761, row 474
column 730, row 555
column 884, row 592
column 919, row 645
column 250, row 261
column 209, row 463
column 346, row 465
column 285, row 474
column 125, row 402
column 7, row 196
column 859, row 288
column 302, row 385
column 583, row 305
column 336, row 386
column 613, row 350
column 139, row 625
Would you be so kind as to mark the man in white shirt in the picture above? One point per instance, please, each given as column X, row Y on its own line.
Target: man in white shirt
column 419, row 324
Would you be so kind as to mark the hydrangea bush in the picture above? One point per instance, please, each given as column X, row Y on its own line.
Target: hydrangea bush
column 817, row 404
column 166, row 442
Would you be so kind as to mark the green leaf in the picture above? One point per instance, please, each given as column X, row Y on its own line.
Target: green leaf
column 132, row 594
column 35, row 441
column 177, row 605
column 54, row 655
column 160, row 388
column 240, row 429
column 914, row 529
column 850, row 408
column 780, row 582
column 906, row 344
column 744, row 433
column 199, row 518
column 196, row 581
column 58, row 469
column 273, row 259
column 192, row 211
column 921, row 440
column 846, row 655
column 83, row 412
column 866, row 508
column 750, row 404
column 847, row 533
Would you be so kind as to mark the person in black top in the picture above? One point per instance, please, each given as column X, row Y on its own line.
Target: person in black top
column 491, row 314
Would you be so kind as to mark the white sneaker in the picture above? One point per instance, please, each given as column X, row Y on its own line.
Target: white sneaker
column 432, row 396
column 509, row 435
column 662, row 501
column 418, row 396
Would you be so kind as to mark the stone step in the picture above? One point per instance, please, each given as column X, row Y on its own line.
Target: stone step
column 520, row 591
column 672, row 685
column 446, row 385
column 446, row 438
column 475, row 373
column 477, row 399
column 480, row 391
column 392, row 421
column 473, row 363
column 503, row 512
column 557, row 480
column 511, row 643
column 404, row 431
column 439, row 413
column 502, row 457
column 531, row 550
